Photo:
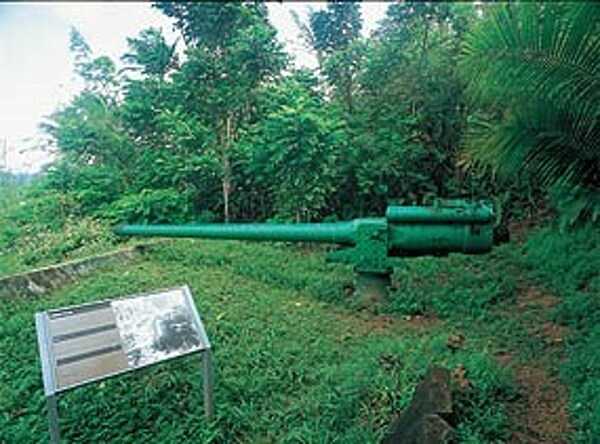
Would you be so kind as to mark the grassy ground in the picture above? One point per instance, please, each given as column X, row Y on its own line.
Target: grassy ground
column 295, row 360
column 567, row 265
column 298, row 360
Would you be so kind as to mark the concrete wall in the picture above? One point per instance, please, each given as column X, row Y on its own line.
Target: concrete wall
column 43, row 280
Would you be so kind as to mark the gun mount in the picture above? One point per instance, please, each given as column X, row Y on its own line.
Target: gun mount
column 373, row 246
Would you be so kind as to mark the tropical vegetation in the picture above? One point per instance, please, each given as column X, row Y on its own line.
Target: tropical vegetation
column 487, row 100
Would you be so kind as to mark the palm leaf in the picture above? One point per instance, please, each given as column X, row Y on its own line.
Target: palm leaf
column 538, row 65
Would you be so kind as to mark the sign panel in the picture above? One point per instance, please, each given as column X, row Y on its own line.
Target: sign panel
column 88, row 342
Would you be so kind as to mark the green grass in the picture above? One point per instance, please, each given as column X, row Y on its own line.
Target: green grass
column 475, row 295
column 295, row 361
column 35, row 230
column 568, row 264
column 469, row 291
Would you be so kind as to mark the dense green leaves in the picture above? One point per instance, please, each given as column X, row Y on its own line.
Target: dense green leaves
column 443, row 99
column 296, row 150
column 223, row 123
column 550, row 124
column 336, row 27
column 151, row 54
column 232, row 50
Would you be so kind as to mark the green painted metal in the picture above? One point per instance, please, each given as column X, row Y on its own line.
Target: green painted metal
column 371, row 245
column 450, row 226
column 422, row 239
column 334, row 233
column 450, row 211
column 369, row 250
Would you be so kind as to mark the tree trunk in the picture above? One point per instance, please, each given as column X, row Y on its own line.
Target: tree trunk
column 227, row 174
column 349, row 97
column 226, row 185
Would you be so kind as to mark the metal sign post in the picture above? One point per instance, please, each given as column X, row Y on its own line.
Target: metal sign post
column 87, row 343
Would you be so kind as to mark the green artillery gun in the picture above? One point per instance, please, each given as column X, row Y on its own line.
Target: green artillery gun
column 372, row 245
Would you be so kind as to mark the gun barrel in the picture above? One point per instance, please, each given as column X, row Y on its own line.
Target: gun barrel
column 335, row 232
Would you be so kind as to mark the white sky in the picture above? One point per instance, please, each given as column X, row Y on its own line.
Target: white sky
column 36, row 69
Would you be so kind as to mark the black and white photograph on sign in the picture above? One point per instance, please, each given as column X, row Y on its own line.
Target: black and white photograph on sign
column 156, row 327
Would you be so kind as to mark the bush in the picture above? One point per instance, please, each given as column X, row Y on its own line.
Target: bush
column 42, row 208
column 24, row 221
column 79, row 237
column 150, row 206
column 93, row 186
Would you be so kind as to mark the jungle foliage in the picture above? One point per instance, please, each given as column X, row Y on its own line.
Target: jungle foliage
column 549, row 126
column 220, row 124
column 442, row 100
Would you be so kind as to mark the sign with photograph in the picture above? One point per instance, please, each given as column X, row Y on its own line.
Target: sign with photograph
column 90, row 342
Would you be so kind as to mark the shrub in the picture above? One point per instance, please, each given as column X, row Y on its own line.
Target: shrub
column 79, row 237
column 158, row 206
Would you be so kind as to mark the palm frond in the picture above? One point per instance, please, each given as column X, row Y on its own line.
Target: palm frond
column 536, row 51
column 538, row 65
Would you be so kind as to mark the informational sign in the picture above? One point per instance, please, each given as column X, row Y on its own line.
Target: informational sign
column 90, row 342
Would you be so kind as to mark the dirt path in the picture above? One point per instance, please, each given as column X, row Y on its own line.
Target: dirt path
column 540, row 413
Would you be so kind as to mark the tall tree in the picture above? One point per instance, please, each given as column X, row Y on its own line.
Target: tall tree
column 336, row 27
column 410, row 109
column 95, row 149
column 89, row 127
column 148, row 93
column 334, row 34
column 232, row 49
column 98, row 73
column 296, row 147
column 150, row 54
